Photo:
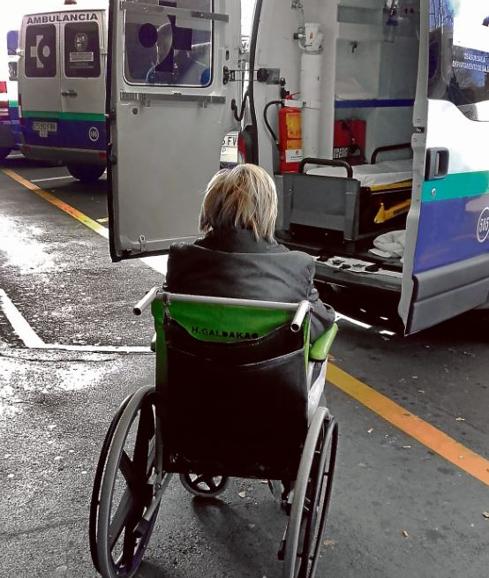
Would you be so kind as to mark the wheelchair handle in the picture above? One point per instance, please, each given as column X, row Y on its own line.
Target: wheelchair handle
column 299, row 316
column 142, row 304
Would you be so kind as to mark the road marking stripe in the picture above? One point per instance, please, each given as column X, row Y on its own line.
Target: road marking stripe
column 353, row 321
column 428, row 435
column 64, row 178
column 103, row 220
column 431, row 437
column 158, row 264
column 90, row 223
column 99, row 348
column 18, row 322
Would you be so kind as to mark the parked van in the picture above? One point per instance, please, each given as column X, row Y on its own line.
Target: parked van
column 372, row 115
column 62, row 70
column 9, row 120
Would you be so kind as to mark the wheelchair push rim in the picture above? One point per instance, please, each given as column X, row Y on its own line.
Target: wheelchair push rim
column 312, row 495
column 131, row 488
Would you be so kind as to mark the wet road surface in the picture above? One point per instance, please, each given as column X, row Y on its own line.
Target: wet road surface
column 398, row 509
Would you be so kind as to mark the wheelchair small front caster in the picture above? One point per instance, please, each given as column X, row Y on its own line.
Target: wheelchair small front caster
column 204, row 486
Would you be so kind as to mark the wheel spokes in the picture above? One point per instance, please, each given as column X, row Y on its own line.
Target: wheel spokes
column 127, row 468
column 120, row 518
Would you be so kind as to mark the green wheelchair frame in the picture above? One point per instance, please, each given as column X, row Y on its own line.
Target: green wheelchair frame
column 136, row 453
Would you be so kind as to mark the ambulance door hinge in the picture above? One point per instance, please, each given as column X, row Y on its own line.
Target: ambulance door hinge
column 268, row 75
column 110, row 116
column 142, row 243
column 228, row 75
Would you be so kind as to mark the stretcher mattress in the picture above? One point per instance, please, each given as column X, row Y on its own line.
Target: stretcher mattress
column 382, row 173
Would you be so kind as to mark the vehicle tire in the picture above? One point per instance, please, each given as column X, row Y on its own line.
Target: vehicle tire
column 4, row 152
column 131, row 485
column 86, row 173
column 312, row 494
column 204, row 486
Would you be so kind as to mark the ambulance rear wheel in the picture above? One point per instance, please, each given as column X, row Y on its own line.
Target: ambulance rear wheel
column 86, row 173
column 4, row 152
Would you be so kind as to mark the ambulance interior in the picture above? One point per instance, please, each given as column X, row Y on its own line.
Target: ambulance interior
column 351, row 194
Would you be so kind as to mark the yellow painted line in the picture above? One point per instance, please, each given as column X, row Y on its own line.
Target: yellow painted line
column 90, row 223
column 415, row 427
column 103, row 220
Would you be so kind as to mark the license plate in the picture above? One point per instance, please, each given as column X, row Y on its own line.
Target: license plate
column 44, row 127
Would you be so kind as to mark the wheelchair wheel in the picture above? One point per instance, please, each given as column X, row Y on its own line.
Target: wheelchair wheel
column 204, row 486
column 97, row 483
column 312, row 494
column 131, row 484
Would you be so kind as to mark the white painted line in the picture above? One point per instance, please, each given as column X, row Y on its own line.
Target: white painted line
column 158, row 263
column 18, row 323
column 52, row 179
column 99, row 348
column 354, row 321
column 387, row 332
column 103, row 220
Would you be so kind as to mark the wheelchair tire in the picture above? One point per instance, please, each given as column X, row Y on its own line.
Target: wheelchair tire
column 204, row 486
column 97, row 483
column 312, row 494
column 131, row 485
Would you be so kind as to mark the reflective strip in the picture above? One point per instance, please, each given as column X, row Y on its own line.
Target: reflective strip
column 63, row 115
column 456, row 186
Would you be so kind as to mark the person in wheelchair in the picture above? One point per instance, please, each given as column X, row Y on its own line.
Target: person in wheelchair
column 238, row 255
column 235, row 394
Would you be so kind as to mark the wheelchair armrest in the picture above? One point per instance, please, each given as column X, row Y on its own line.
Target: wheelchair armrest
column 320, row 348
column 153, row 343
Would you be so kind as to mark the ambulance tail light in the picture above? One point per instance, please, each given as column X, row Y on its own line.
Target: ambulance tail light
column 3, row 100
column 245, row 144
column 19, row 104
column 241, row 149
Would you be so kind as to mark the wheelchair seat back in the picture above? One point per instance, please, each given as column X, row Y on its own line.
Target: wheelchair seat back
column 232, row 387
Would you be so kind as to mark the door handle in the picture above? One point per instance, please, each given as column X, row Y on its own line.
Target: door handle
column 70, row 92
column 436, row 163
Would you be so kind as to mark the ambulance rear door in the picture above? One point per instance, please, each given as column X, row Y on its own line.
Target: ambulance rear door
column 39, row 80
column 83, row 49
column 446, row 261
column 171, row 82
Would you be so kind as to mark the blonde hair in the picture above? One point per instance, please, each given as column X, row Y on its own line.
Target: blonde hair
column 242, row 197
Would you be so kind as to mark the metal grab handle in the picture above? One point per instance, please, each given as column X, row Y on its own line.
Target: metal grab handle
column 328, row 163
column 145, row 301
column 70, row 92
column 301, row 312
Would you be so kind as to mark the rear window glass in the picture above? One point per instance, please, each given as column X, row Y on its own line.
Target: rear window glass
column 459, row 56
column 82, row 50
column 165, row 49
column 40, row 51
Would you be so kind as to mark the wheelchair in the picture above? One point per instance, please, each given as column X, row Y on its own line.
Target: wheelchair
column 237, row 394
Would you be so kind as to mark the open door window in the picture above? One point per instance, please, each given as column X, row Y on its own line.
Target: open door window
column 447, row 243
column 170, row 88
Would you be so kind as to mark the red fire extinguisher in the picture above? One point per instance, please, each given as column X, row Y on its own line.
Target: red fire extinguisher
column 290, row 136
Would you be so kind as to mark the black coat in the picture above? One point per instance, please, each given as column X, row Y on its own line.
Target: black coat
column 232, row 263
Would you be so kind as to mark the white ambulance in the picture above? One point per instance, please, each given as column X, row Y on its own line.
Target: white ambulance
column 61, row 72
column 372, row 115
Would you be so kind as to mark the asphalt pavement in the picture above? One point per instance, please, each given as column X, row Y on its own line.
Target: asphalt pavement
column 398, row 510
